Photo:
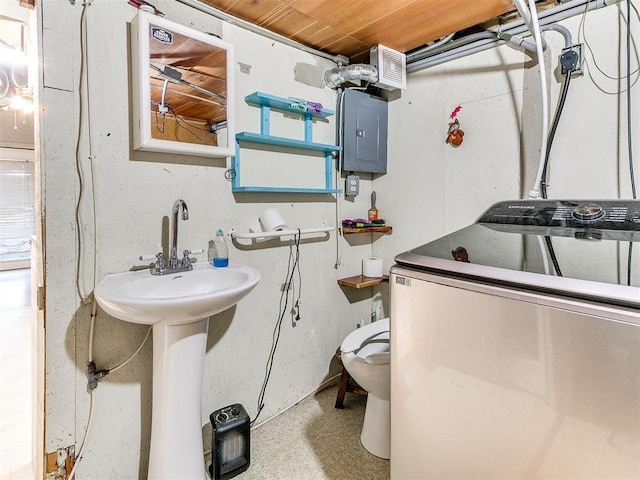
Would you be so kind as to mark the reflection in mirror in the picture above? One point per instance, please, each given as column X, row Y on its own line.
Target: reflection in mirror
column 182, row 89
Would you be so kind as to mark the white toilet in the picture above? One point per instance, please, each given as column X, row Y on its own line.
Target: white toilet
column 365, row 355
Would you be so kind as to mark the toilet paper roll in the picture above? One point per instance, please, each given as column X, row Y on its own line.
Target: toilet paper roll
column 272, row 220
column 372, row 267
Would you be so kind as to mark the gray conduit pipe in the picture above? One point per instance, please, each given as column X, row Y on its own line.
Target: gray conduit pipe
column 568, row 41
column 473, row 39
column 338, row 59
column 547, row 17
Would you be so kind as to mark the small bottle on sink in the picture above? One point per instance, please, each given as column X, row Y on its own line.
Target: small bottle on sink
column 220, row 250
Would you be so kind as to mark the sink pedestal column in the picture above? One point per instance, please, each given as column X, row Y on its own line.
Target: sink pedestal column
column 176, row 423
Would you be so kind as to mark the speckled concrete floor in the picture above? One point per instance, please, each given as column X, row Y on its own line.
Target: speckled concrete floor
column 313, row 440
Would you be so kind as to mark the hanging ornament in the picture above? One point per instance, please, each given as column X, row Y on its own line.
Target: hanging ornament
column 454, row 134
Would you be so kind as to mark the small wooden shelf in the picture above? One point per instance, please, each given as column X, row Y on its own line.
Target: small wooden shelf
column 360, row 281
column 353, row 230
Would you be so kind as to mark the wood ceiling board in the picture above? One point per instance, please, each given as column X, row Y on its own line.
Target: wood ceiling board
column 322, row 36
column 223, row 5
column 352, row 15
column 255, row 11
column 289, row 22
column 347, row 46
column 422, row 23
column 319, row 35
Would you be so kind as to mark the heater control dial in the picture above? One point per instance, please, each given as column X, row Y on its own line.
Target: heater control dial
column 227, row 414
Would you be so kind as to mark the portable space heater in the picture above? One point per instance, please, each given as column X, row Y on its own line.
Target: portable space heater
column 231, row 442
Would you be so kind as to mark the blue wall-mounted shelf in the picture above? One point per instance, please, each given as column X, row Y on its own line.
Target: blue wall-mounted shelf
column 266, row 102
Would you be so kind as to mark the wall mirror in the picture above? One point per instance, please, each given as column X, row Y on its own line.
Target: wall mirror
column 182, row 90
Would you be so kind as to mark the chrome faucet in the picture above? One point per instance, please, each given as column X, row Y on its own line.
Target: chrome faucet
column 173, row 252
column 174, row 264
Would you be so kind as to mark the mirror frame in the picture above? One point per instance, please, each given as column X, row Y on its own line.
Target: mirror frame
column 141, row 91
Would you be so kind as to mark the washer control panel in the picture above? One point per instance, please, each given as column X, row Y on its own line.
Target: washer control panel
column 575, row 214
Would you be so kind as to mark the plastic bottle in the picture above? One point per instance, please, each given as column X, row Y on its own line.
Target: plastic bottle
column 211, row 251
column 221, row 251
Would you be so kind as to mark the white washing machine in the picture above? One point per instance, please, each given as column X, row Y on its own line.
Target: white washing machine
column 515, row 346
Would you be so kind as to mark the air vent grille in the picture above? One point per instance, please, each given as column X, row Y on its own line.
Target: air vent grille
column 392, row 62
column 391, row 66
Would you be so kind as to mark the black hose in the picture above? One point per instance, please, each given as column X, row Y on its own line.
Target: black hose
column 552, row 132
column 552, row 253
column 629, row 142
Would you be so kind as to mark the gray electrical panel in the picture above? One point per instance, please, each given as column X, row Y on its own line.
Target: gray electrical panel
column 364, row 136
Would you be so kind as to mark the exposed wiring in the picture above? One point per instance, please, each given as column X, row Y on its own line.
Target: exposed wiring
column 78, row 457
column 83, row 85
column 552, row 133
column 144, row 340
column 552, row 253
column 278, row 326
column 340, row 133
column 582, row 34
column 79, row 173
column 181, row 122
column 543, row 252
column 629, row 137
column 159, row 126
column 320, row 387
column 629, row 263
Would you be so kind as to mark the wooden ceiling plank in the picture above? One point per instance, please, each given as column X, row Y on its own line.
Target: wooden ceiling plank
column 222, row 5
column 256, row 11
column 352, row 15
column 289, row 22
column 415, row 26
column 348, row 46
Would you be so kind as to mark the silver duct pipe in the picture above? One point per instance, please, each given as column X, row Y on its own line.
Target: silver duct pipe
column 417, row 62
column 351, row 73
column 338, row 59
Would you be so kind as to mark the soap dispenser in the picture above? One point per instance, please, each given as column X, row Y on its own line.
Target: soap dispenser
column 220, row 250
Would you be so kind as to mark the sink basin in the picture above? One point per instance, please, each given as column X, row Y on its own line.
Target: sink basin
column 178, row 306
column 174, row 299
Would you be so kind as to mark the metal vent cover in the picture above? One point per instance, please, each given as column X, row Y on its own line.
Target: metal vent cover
column 391, row 65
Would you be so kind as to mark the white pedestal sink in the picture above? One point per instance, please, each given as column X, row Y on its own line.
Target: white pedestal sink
column 178, row 306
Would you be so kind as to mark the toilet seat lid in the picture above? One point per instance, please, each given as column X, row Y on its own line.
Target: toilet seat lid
column 376, row 330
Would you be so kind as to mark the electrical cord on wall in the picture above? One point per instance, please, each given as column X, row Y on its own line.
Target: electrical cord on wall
column 181, row 122
column 278, row 327
column 340, row 135
column 84, row 86
column 582, row 35
column 552, row 132
column 83, row 83
column 629, row 137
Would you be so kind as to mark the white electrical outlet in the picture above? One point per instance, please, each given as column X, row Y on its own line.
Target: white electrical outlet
column 352, row 185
